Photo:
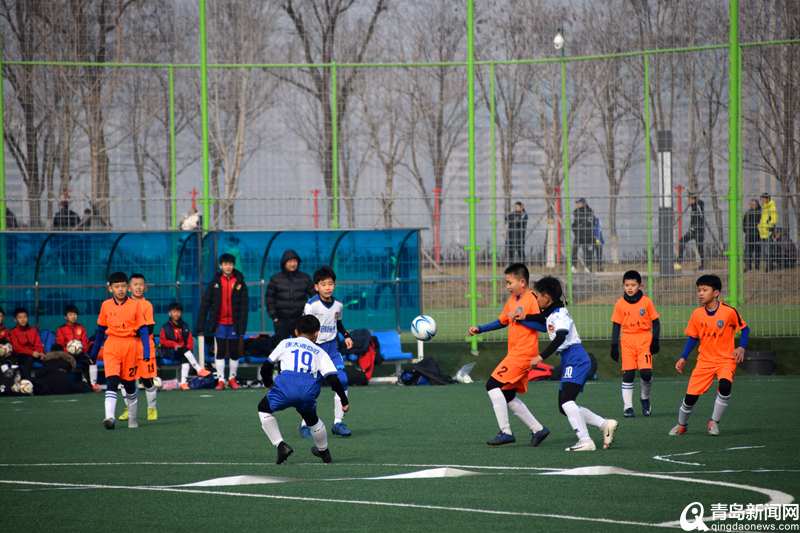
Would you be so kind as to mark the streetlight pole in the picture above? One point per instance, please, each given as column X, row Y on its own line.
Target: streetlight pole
column 558, row 42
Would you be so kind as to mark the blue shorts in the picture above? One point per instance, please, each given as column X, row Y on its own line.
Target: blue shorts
column 294, row 389
column 575, row 366
column 332, row 347
column 226, row 332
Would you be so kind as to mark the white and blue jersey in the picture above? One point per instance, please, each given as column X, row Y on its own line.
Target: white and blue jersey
column 303, row 365
column 575, row 363
column 328, row 314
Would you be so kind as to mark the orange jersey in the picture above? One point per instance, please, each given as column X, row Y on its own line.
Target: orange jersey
column 716, row 332
column 121, row 320
column 635, row 318
column 523, row 342
column 147, row 313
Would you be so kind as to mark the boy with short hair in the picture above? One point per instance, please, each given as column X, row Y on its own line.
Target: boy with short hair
column 634, row 315
column 715, row 325
column 147, row 370
column 72, row 331
column 511, row 375
column 328, row 310
column 225, row 304
column 175, row 336
column 25, row 342
column 303, row 363
column 122, row 318
column 575, row 363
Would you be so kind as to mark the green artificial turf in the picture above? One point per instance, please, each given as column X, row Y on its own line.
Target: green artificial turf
column 110, row 479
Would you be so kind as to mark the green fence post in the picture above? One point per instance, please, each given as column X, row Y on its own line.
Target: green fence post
column 206, row 201
column 739, row 161
column 494, row 197
column 172, row 172
column 335, row 139
column 472, row 201
column 2, row 157
column 733, row 157
column 647, row 173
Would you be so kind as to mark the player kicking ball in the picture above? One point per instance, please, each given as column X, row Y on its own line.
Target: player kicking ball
column 298, row 385
column 574, row 361
column 715, row 325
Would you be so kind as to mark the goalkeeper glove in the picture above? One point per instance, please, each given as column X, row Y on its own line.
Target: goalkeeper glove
column 615, row 352
column 654, row 348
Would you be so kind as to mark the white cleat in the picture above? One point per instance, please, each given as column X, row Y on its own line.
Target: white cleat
column 133, row 423
column 678, row 430
column 609, row 427
column 582, row 446
column 713, row 428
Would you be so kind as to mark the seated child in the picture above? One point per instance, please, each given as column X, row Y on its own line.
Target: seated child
column 73, row 331
column 175, row 336
column 26, row 342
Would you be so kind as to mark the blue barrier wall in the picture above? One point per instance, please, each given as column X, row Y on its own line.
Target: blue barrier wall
column 378, row 272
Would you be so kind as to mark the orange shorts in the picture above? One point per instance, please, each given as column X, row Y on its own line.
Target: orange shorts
column 147, row 369
column 513, row 371
column 119, row 358
column 703, row 375
column 636, row 352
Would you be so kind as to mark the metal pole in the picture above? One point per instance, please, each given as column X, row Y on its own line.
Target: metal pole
column 494, row 198
column 335, row 155
column 647, row 173
column 733, row 157
column 173, row 173
column 206, row 201
column 566, row 171
column 741, row 197
column 473, row 247
column 2, row 160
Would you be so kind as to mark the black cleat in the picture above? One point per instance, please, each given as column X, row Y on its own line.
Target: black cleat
column 325, row 454
column 538, row 437
column 284, row 451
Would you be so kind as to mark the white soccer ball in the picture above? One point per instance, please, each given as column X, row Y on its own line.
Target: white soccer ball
column 158, row 383
column 23, row 387
column 423, row 328
column 74, row 347
column 5, row 349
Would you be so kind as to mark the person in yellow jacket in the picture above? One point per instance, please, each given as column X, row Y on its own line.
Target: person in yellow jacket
column 769, row 217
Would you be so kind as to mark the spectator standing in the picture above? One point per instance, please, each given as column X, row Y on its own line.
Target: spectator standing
column 583, row 230
column 783, row 253
column 65, row 218
column 752, row 242
column 769, row 217
column 287, row 294
column 696, row 232
column 517, row 222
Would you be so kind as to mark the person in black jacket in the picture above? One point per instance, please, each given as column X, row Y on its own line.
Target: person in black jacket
column 696, row 232
column 66, row 218
column 583, row 229
column 53, row 377
column 515, row 239
column 752, row 241
column 287, row 294
column 225, row 303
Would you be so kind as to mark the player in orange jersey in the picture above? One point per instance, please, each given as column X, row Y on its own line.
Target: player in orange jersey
column 511, row 375
column 122, row 319
column 715, row 325
column 634, row 315
column 147, row 369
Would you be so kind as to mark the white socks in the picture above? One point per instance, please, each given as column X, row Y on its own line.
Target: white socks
column 646, row 386
column 220, row 365
column 591, row 419
column 627, row 395
column 111, row 403
column 151, row 394
column 686, row 411
column 576, row 419
column 93, row 374
column 133, row 404
column 270, row 426
column 234, row 368
column 521, row 411
column 320, row 435
column 500, row 410
column 184, row 373
column 192, row 361
column 720, row 404
column 338, row 413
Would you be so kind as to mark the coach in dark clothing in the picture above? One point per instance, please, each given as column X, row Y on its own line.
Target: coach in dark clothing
column 287, row 294
column 752, row 241
column 696, row 233
column 583, row 229
column 53, row 377
column 65, row 218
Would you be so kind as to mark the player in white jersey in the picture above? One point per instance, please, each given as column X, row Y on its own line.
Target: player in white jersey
column 575, row 363
column 303, row 365
column 328, row 311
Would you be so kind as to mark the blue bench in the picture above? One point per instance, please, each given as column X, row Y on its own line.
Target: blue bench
column 391, row 351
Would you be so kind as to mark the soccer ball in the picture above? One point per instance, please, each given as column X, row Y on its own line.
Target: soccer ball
column 23, row 387
column 74, row 347
column 5, row 349
column 158, row 383
column 423, row 328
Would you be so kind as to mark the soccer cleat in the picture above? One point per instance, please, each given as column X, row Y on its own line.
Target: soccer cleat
column 645, row 406
column 96, row 388
column 152, row 414
column 133, row 423
column 284, row 451
column 677, row 266
column 609, row 427
column 713, row 428
column 220, row 385
column 233, row 384
column 185, row 386
column 502, row 438
column 629, row 413
column 305, row 432
column 124, row 415
column 203, row 373
column 325, row 454
column 538, row 437
column 678, row 430
column 340, row 428
column 582, row 446
column 109, row 423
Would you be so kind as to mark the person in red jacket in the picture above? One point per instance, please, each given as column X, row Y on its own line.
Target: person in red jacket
column 175, row 336
column 3, row 331
column 5, row 345
column 72, row 331
column 26, row 342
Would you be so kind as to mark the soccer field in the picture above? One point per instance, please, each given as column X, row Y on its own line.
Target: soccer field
column 417, row 461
